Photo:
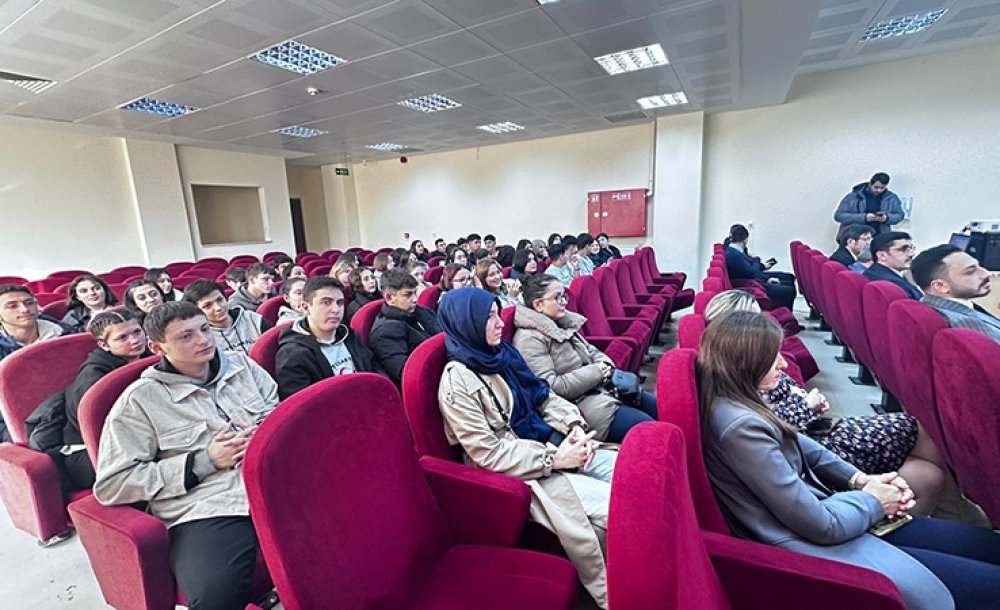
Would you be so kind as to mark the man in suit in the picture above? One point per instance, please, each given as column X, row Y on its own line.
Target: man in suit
column 950, row 279
column 780, row 287
column 893, row 252
column 852, row 239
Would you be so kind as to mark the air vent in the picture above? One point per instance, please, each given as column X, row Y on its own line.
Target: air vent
column 31, row 83
column 625, row 117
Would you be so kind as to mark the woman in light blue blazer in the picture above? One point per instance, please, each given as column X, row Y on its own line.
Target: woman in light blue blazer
column 779, row 487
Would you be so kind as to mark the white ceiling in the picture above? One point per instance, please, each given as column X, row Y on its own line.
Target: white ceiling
column 503, row 60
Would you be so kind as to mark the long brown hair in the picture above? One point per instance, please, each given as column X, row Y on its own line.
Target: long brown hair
column 737, row 350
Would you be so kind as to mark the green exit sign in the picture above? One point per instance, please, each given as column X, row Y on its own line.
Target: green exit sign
column 341, row 171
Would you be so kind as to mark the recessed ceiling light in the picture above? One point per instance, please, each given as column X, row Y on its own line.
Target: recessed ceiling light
column 505, row 127
column 385, row 146
column 297, row 131
column 661, row 101
column 909, row 24
column 633, row 59
column 297, row 57
column 547, row 1
column 170, row 109
column 30, row 83
column 429, row 103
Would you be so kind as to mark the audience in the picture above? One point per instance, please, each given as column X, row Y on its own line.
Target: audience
column 440, row 248
column 473, row 242
column 280, row 263
column 893, row 252
column 591, row 250
column 141, row 297
column 380, row 264
column 580, row 264
column 364, row 290
column 401, row 257
column 21, row 323
column 165, row 282
column 419, row 251
column 346, row 262
column 506, row 420
column 554, row 239
column 490, row 244
column 852, row 239
column 236, row 329
column 870, row 204
column 524, row 265
column 541, row 250
column 417, row 269
column 548, row 338
column 293, row 271
column 401, row 324
column 560, row 266
column 455, row 276
column 779, row 487
column 458, row 256
column 236, row 278
column 260, row 282
column 489, row 276
column 741, row 266
column 176, row 439
column 608, row 251
column 950, row 279
column 319, row 346
column 87, row 295
column 505, row 256
column 291, row 292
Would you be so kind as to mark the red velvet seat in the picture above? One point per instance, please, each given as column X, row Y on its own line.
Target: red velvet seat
column 829, row 271
column 269, row 308
column 265, row 348
column 47, row 298
column 659, row 559
column 319, row 270
column 433, row 275
column 847, row 293
column 364, row 319
column 243, row 260
column 175, row 269
column 647, row 254
column 629, row 296
column 875, row 299
column 421, row 377
column 434, row 534
column 598, row 324
column 683, row 297
column 29, row 481
column 613, row 304
column 270, row 256
column 429, row 297
column 434, row 261
column 56, row 309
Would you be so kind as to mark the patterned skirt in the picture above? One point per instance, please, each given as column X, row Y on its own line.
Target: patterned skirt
column 873, row 444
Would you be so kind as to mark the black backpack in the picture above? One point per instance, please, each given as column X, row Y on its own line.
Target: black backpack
column 45, row 424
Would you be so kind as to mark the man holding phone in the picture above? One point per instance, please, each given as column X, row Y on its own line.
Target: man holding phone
column 871, row 204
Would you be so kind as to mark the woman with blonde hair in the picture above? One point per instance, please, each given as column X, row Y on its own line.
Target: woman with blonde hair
column 346, row 263
column 489, row 277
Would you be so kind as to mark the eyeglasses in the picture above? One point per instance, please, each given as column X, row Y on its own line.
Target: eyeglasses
column 906, row 249
column 562, row 297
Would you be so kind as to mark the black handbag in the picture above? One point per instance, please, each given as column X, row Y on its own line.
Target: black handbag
column 625, row 386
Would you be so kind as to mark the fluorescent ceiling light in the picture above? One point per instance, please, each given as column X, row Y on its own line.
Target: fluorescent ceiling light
column 429, row 103
column 505, row 127
column 30, row 83
column 547, row 1
column 910, row 24
column 169, row 109
column 633, row 59
column 297, row 131
column 385, row 146
column 297, row 57
column 661, row 101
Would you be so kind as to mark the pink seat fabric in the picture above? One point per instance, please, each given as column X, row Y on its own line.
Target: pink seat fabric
column 421, row 377
column 630, row 296
column 847, row 293
column 658, row 558
column 613, row 304
column 433, row 275
column 265, row 348
column 429, row 297
column 875, row 299
column 269, row 308
column 364, row 319
column 431, row 535
column 47, row 298
column 828, row 273
column 689, row 330
column 56, row 309
column 175, row 269
column 598, row 324
column 967, row 383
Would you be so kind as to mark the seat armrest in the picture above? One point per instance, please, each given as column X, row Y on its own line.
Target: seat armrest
column 619, row 351
column 481, row 507
column 625, row 323
column 640, row 310
column 752, row 573
column 31, row 491
column 602, row 342
column 645, row 297
column 661, row 289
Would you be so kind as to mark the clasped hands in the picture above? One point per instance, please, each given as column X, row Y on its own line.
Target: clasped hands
column 890, row 489
column 229, row 445
column 577, row 450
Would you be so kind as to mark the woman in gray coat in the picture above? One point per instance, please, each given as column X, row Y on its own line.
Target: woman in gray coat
column 779, row 487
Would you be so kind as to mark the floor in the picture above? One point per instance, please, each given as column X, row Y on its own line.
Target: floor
column 60, row 577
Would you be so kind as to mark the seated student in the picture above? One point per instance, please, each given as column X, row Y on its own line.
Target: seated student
column 260, row 281
column 581, row 264
column 87, row 295
column 560, row 266
column 864, row 260
column 401, row 258
column 458, row 256
column 523, row 243
column 291, row 292
column 236, row 278
column 380, row 264
column 420, row 251
column 549, row 340
column 21, row 323
column 120, row 340
column 401, row 324
column 950, row 279
column 741, row 266
column 473, row 242
column 893, row 252
column 141, row 297
column 417, row 269
column 364, row 290
column 346, row 262
column 489, row 276
column 454, row 276
column 280, row 263
column 236, row 329
column 175, row 439
column 540, row 249
column 608, row 251
column 440, row 248
column 779, row 487
column 851, row 240
column 505, row 256
column 164, row 281
column 319, row 346
column 293, row 271
column 524, row 265
column 507, row 420
column 490, row 244
column 590, row 252
column 554, row 239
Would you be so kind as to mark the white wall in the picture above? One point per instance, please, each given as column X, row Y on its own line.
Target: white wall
column 306, row 184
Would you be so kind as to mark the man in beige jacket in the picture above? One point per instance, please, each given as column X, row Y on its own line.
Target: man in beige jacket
column 176, row 439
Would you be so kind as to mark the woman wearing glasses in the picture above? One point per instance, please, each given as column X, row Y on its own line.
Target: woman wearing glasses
column 548, row 337
column 455, row 275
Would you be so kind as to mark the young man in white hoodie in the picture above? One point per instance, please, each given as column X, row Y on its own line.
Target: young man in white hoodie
column 236, row 329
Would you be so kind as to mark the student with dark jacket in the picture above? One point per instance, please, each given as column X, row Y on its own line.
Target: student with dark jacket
column 851, row 240
column 88, row 295
column 319, row 346
column 401, row 325
column 364, row 290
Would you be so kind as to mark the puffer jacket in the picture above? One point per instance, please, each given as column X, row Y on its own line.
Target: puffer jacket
column 851, row 210
column 396, row 333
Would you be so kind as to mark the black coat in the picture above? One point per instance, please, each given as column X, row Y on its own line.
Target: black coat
column 843, row 256
column 396, row 333
column 98, row 364
column 358, row 301
column 299, row 361
column 879, row 272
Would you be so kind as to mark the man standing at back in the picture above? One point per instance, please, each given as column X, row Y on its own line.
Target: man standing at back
column 893, row 252
column 852, row 239
column 950, row 279
column 401, row 325
column 872, row 204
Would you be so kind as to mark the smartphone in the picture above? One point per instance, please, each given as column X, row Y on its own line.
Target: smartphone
column 887, row 526
column 822, row 426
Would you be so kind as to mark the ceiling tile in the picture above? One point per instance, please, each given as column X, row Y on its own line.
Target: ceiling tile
column 52, row 48
column 457, row 48
column 141, row 10
column 399, row 64
column 347, row 40
column 519, row 31
column 967, row 31
column 230, row 35
column 406, row 22
column 282, row 15
column 474, row 12
column 78, row 24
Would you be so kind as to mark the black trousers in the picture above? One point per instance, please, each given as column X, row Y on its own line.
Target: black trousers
column 213, row 561
column 76, row 472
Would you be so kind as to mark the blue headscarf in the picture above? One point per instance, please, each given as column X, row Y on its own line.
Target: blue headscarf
column 462, row 315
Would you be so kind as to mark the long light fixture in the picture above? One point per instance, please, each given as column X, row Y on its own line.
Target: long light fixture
column 297, row 131
column 633, row 59
column 662, row 101
column 386, row 146
column 505, row 127
column 900, row 26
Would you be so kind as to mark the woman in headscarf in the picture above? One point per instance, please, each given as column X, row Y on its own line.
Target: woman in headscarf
column 506, row 420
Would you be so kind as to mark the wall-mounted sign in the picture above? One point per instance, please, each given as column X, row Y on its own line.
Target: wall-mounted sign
column 341, row 171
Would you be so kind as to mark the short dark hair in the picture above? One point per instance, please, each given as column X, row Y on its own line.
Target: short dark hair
column 738, row 234
column 153, row 273
column 439, row 240
column 287, row 285
column 319, row 282
column 583, row 240
column 880, row 177
column 5, row 288
column 535, row 286
column 521, row 258
column 281, row 259
column 108, row 318
column 259, row 269
column 929, row 265
column 474, row 237
column 397, row 279
column 160, row 317
column 490, row 237
column 883, row 241
column 199, row 289
column 236, row 274
column 287, row 271
column 461, row 241
column 555, row 251
column 852, row 232
column 569, row 240
column 602, row 234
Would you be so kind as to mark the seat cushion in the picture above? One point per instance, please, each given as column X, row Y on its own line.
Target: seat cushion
column 487, row 578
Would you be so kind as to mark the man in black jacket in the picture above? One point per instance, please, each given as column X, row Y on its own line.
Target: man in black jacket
column 893, row 252
column 852, row 239
column 319, row 346
column 402, row 325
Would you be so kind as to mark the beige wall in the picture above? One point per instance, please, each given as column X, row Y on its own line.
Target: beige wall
column 306, row 183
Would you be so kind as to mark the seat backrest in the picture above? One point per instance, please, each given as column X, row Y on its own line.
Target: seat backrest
column 47, row 298
column 98, row 400
column 847, row 291
column 175, row 269
column 319, row 270
column 689, row 330
column 364, row 319
column 967, row 380
column 588, row 303
column 702, row 299
column 317, row 471
column 828, row 273
column 433, row 275
column 33, row 373
column 269, row 308
column 434, row 261
column 656, row 556
column 429, row 297
column 56, row 309
column 624, row 281
column 912, row 326
column 875, row 299
column 507, row 317
column 813, row 264
column 265, row 348
column 607, row 288
column 243, row 260
column 421, row 378
column 677, row 403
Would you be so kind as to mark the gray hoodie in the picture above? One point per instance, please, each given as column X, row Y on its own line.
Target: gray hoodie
column 246, row 328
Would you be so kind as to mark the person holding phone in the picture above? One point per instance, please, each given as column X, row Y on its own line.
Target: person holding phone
column 871, row 204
